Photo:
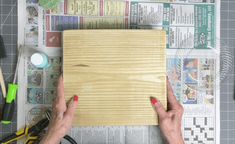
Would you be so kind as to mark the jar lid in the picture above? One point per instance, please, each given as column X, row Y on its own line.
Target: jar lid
column 37, row 59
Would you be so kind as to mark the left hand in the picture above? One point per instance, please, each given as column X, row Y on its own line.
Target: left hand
column 62, row 116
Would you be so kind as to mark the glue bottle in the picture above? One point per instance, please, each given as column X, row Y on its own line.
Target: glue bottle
column 40, row 60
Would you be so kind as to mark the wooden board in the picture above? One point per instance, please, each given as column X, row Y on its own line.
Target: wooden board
column 114, row 72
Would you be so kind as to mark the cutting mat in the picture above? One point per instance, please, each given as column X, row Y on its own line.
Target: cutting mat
column 227, row 85
column 8, row 29
column 227, row 106
column 115, row 72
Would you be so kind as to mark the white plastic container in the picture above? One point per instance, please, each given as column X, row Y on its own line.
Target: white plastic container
column 40, row 60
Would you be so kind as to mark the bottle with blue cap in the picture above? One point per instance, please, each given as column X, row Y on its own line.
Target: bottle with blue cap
column 40, row 60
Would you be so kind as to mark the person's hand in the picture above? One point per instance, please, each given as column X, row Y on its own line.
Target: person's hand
column 170, row 121
column 62, row 116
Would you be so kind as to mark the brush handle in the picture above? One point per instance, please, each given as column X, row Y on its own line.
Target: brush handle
column 2, row 84
column 9, row 106
column 2, row 48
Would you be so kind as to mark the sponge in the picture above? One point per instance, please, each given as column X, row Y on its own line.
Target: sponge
column 2, row 48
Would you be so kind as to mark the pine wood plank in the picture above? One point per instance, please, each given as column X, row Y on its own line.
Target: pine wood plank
column 114, row 72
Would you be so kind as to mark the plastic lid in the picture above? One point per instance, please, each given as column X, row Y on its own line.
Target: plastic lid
column 37, row 59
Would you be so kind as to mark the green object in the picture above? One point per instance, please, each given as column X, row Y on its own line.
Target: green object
column 5, row 122
column 11, row 94
column 9, row 106
column 49, row 4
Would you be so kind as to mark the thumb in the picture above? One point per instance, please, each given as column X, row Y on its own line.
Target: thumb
column 158, row 107
column 69, row 114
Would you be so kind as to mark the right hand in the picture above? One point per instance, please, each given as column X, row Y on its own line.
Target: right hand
column 170, row 120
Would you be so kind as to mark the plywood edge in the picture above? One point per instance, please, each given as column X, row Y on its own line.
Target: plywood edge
column 163, row 32
column 153, row 122
column 165, row 86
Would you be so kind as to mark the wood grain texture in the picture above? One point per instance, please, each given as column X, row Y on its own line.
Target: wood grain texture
column 114, row 72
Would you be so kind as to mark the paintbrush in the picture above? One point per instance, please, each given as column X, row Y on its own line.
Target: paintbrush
column 2, row 48
column 2, row 84
column 2, row 55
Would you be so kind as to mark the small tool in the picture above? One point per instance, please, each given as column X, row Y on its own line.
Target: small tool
column 32, row 133
column 9, row 106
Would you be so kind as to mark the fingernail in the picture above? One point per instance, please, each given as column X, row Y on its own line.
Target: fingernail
column 75, row 98
column 153, row 100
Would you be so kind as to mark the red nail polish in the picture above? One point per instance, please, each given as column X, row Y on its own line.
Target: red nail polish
column 75, row 98
column 153, row 100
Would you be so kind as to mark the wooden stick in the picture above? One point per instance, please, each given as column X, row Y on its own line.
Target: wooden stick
column 2, row 83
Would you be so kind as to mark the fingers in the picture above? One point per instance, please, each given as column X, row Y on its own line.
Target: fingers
column 60, row 104
column 172, row 101
column 69, row 114
column 158, row 108
column 60, row 88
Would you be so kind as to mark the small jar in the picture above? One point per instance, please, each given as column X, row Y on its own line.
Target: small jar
column 40, row 60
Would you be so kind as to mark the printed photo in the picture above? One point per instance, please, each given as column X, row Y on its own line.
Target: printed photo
column 32, row 1
column 207, row 64
column 53, row 39
column 31, row 35
column 35, row 79
column 209, row 97
column 189, row 94
column 174, row 75
column 190, row 77
column 207, row 74
column 49, row 96
column 61, row 23
column 207, row 81
column 35, row 95
column 32, row 14
column 174, row 69
column 190, row 64
column 55, row 61
column 51, row 79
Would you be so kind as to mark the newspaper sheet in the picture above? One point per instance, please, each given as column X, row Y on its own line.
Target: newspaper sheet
column 193, row 29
